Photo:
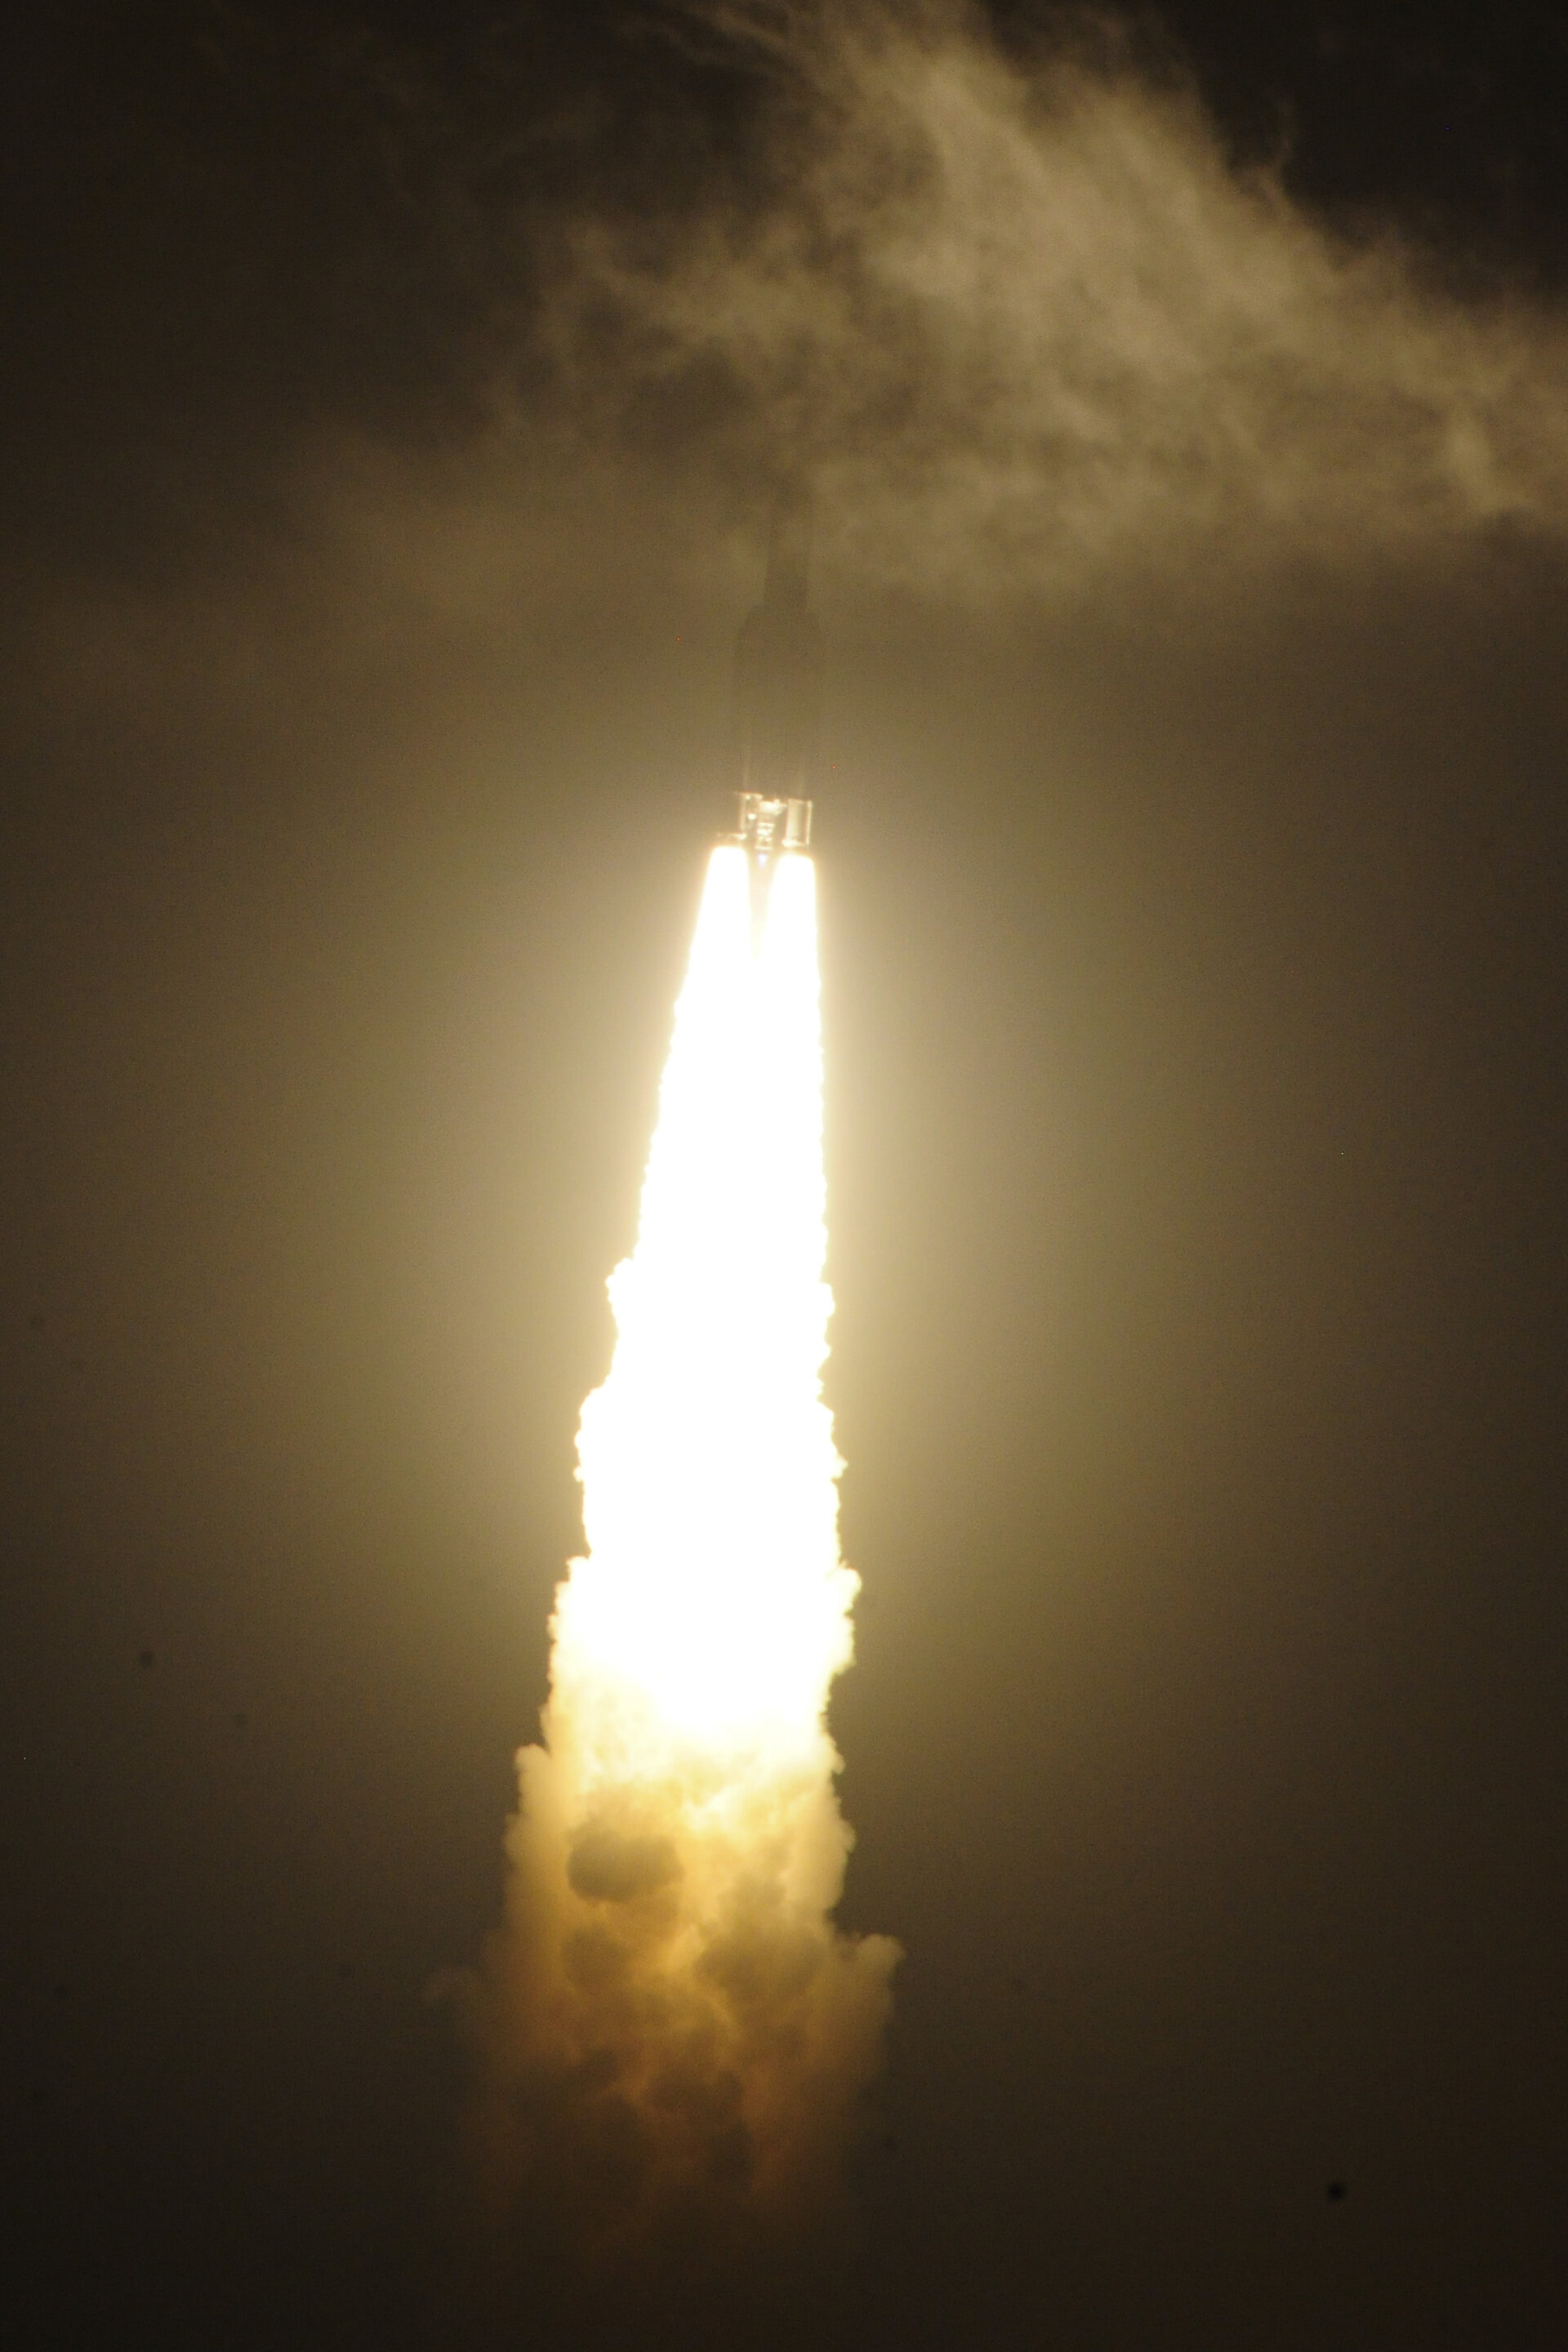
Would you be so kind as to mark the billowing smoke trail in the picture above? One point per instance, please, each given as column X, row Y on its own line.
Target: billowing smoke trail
column 1031, row 322
column 675, row 2037
column 1032, row 330
column 1028, row 325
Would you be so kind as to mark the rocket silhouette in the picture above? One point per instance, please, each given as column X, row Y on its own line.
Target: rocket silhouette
column 778, row 666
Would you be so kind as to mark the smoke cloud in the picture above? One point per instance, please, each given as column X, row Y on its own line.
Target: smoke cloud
column 1028, row 325
column 1034, row 333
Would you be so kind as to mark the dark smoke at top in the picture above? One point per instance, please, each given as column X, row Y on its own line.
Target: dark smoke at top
column 471, row 296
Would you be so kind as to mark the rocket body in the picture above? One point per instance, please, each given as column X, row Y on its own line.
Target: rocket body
column 778, row 693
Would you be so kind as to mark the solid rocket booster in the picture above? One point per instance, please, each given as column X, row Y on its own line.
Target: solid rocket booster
column 778, row 691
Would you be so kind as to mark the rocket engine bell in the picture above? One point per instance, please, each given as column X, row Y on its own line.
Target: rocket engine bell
column 778, row 691
column 766, row 827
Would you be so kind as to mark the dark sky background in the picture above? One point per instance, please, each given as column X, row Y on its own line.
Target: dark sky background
column 1193, row 876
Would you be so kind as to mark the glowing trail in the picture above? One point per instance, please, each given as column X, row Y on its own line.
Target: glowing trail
column 712, row 1609
column 672, row 2024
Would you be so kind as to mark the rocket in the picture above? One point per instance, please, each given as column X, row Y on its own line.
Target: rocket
column 778, row 692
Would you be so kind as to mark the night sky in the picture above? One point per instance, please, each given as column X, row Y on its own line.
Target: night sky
column 392, row 405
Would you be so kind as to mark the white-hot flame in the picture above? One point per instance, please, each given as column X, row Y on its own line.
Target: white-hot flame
column 712, row 1606
column 676, row 2034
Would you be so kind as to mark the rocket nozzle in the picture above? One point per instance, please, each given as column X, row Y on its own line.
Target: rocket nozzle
column 766, row 827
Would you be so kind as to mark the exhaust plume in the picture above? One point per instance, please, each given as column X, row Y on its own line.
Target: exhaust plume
column 674, row 2037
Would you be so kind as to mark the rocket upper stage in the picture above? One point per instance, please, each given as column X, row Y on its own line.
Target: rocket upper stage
column 778, row 689
column 778, row 692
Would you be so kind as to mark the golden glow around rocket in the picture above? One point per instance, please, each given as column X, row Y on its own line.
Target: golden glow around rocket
column 670, row 2014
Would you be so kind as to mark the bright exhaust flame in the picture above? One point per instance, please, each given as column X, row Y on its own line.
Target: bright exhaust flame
column 676, row 2034
column 712, row 1601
